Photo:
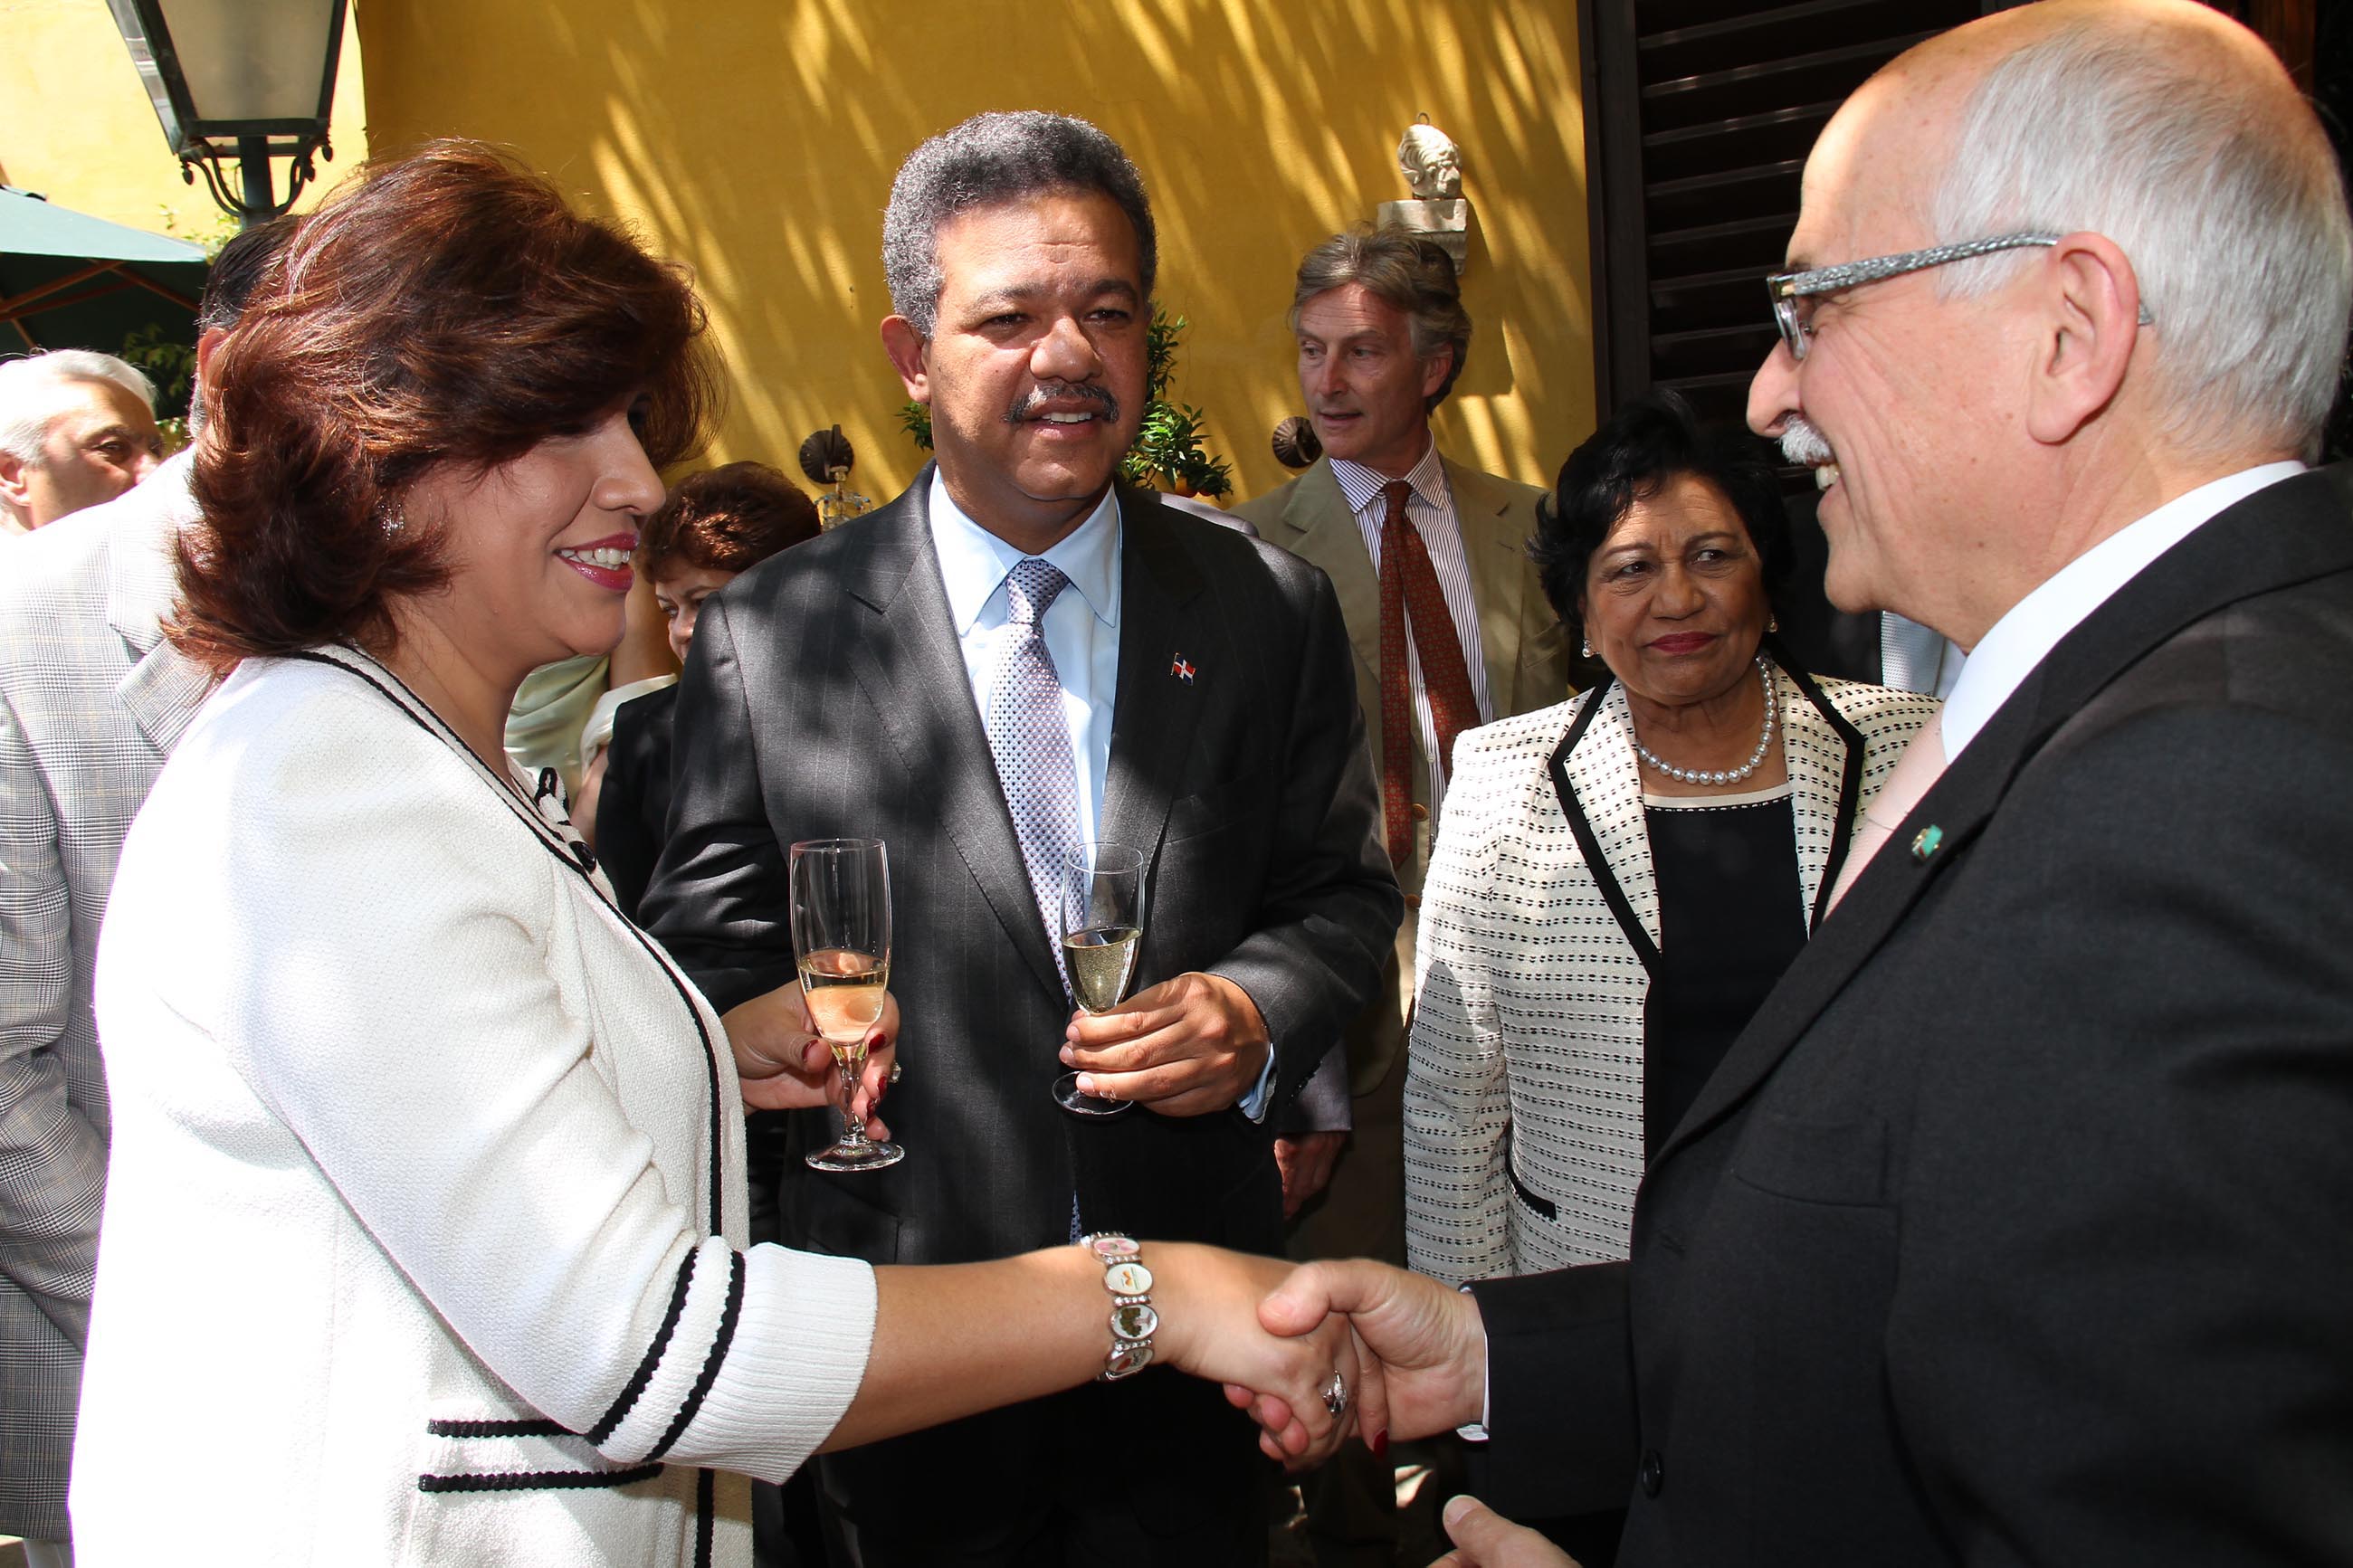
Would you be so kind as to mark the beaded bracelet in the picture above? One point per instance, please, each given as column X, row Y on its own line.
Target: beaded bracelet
column 1133, row 1319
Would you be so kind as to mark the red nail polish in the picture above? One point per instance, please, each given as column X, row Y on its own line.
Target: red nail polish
column 1380, row 1444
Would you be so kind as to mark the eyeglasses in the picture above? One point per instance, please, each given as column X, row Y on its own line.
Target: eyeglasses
column 1793, row 292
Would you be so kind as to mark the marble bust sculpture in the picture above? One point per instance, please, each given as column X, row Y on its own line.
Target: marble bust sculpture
column 1432, row 166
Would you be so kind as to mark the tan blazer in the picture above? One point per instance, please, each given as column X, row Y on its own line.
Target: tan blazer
column 1520, row 640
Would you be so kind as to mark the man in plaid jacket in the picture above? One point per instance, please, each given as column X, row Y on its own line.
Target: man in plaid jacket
column 92, row 701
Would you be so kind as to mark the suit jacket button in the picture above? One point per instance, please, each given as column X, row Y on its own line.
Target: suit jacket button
column 1413, row 901
column 1421, row 812
column 1653, row 1474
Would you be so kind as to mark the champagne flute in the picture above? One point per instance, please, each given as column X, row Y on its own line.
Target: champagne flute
column 840, row 892
column 1103, row 927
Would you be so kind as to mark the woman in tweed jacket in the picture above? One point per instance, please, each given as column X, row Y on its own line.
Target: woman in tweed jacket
column 1620, row 878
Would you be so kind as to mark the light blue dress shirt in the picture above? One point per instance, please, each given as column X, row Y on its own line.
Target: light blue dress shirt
column 1081, row 631
column 1080, row 626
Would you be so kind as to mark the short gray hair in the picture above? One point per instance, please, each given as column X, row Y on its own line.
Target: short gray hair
column 32, row 393
column 2239, row 235
column 989, row 160
column 1404, row 270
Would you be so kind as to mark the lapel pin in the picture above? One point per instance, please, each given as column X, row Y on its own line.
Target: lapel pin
column 1182, row 669
column 1927, row 842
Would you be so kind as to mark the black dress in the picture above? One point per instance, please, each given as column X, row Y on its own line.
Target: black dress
column 1731, row 919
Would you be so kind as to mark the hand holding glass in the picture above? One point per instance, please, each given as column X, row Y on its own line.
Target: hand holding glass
column 841, row 894
column 1102, row 928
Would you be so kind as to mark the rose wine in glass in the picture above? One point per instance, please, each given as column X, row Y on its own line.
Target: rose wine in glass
column 841, row 894
column 1103, row 927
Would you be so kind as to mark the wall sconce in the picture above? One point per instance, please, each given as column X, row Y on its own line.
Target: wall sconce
column 826, row 459
column 1296, row 445
column 258, row 90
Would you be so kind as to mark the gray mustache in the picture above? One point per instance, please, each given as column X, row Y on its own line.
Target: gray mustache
column 1026, row 407
column 1804, row 445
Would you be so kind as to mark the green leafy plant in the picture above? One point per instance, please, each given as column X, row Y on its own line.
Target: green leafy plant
column 172, row 366
column 916, row 419
column 216, row 231
column 1168, row 452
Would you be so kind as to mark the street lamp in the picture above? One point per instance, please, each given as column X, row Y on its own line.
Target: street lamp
column 242, row 80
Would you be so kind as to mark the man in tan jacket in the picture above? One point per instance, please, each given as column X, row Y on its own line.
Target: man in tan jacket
column 1382, row 338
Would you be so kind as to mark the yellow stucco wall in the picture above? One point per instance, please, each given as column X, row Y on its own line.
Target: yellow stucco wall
column 76, row 126
column 756, row 138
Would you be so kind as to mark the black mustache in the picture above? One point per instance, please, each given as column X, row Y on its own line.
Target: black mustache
column 1026, row 407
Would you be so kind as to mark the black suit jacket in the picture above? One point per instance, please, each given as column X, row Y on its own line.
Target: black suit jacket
column 825, row 696
column 2014, row 1230
column 633, row 806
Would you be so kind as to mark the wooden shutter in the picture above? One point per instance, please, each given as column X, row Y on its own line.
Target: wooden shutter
column 1699, row 117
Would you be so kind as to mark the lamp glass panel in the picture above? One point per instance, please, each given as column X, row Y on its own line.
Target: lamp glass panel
column 252, row 59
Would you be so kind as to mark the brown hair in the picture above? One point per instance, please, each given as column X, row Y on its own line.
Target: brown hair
column 1405, row 271
column 444, row 308
column 727, row 519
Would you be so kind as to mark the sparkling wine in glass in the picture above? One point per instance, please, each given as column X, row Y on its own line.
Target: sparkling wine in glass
column 1103, row 927
column 840, row 892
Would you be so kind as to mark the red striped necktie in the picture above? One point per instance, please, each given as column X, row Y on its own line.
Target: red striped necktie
column 1410, row 588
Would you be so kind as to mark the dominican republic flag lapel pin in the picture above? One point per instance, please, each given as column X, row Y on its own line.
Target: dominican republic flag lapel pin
column 1182, row 669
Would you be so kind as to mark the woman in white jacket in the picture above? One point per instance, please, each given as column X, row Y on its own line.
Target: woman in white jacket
column 425, row 1229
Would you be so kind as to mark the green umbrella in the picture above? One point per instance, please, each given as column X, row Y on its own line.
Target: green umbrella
column 70, row 280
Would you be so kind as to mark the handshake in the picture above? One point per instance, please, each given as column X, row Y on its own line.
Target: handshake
column 1321, row 1351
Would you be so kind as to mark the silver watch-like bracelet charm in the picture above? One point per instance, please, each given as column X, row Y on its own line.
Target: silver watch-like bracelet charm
column 1133, row 1319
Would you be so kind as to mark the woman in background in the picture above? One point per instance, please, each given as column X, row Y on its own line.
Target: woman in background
column 1618, row 881
column 715, row 526
column 426, row 1209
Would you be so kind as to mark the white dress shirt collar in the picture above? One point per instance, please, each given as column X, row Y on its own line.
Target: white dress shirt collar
column 974, row 562
column 1363, row 487
column 2019, row 641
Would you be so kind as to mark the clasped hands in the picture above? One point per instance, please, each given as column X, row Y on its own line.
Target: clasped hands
column 1421, row 1360
column 1410, row 1352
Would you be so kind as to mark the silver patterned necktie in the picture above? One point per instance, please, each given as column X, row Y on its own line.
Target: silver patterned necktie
column 1032, row 742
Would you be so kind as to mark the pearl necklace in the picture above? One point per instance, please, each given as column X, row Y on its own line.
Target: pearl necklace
column 1725, row 776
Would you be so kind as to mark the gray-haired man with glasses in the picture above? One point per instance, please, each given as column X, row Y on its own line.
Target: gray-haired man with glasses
column 2012, row 1229
column 1912, row 657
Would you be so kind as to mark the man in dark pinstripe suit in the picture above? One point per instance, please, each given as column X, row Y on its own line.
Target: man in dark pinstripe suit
column 92, row 701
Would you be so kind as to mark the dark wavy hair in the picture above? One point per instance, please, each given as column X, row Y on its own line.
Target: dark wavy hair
column 727, row 519
column 989, row 160
column 447, row 307
column 1650, row 442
